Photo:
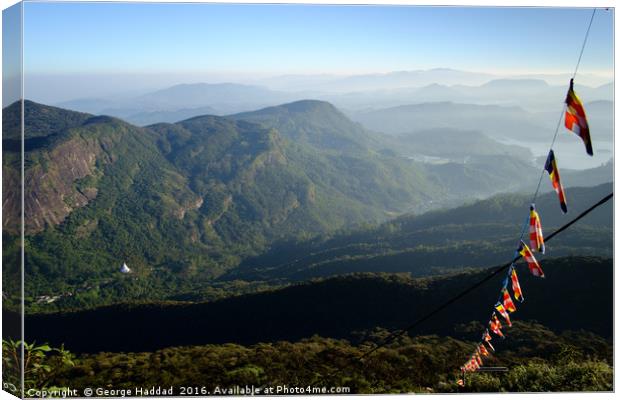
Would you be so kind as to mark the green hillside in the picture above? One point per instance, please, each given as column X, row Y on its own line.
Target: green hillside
column 180, row 203
column 472, row 165
column 313, row 122
column 481, row 233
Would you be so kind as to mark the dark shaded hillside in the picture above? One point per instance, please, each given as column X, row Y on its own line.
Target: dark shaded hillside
column 481, row 233
column 575, row 361
column 576, row 294
column 39, row 121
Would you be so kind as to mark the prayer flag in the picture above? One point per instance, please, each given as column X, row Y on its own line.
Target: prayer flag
column 516, row 288
column 575, row 118
column 537, row 241
column 532, row 264
column 507, row 301
column 554, row 174
column 500, row 309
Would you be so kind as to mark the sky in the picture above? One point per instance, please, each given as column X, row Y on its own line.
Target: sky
column 140, row 43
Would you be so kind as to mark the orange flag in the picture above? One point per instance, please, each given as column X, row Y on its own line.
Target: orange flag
column 537, row 241
column 575, row 118
column 507, row 300
column 500, row 309
column 487, row 338
column 532, row 264
column 496, row 326
column 516, row 288
column 554, row 174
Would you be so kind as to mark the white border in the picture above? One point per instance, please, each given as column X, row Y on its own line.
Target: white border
column 483, row 3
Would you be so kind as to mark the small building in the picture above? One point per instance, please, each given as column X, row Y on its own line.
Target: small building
column 125, row 269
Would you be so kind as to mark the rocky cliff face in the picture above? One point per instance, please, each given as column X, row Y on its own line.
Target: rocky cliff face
column 50, row 187
column 63, row 170
column 54, row 160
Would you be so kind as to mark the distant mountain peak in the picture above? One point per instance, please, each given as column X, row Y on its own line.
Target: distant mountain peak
column 296, row 107
column 41, row 120
column 308, row 105
column 509, row 82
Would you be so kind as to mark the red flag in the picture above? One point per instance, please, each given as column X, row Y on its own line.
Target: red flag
column 554, row 174
column 479, row 359
column 575, row 118
column 500, row 309
column 496, row 326
column 537, row 241
column 507, row 301
column 516, row 288
column 487, row 338
column 483, row 350
column 532, row 264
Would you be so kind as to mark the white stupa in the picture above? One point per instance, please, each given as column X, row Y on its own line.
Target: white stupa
column 125, row 269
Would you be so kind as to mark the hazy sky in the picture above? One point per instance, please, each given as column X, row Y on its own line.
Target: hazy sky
column 68, row 39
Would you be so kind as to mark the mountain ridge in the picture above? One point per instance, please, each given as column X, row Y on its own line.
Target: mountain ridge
column 358, row 302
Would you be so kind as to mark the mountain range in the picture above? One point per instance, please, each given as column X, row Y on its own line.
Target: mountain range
column 182, row 101
column 186, row 202
column 190, row 197
column 496, row 121
column 415, row 78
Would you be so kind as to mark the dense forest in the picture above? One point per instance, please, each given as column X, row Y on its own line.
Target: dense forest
column 536, row 359
column 358, row 302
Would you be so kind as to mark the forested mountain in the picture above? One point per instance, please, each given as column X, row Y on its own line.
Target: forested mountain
column 478, row 234
column 316, row 123
column 185, row 203
column 466, row 163
column 190, row 198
